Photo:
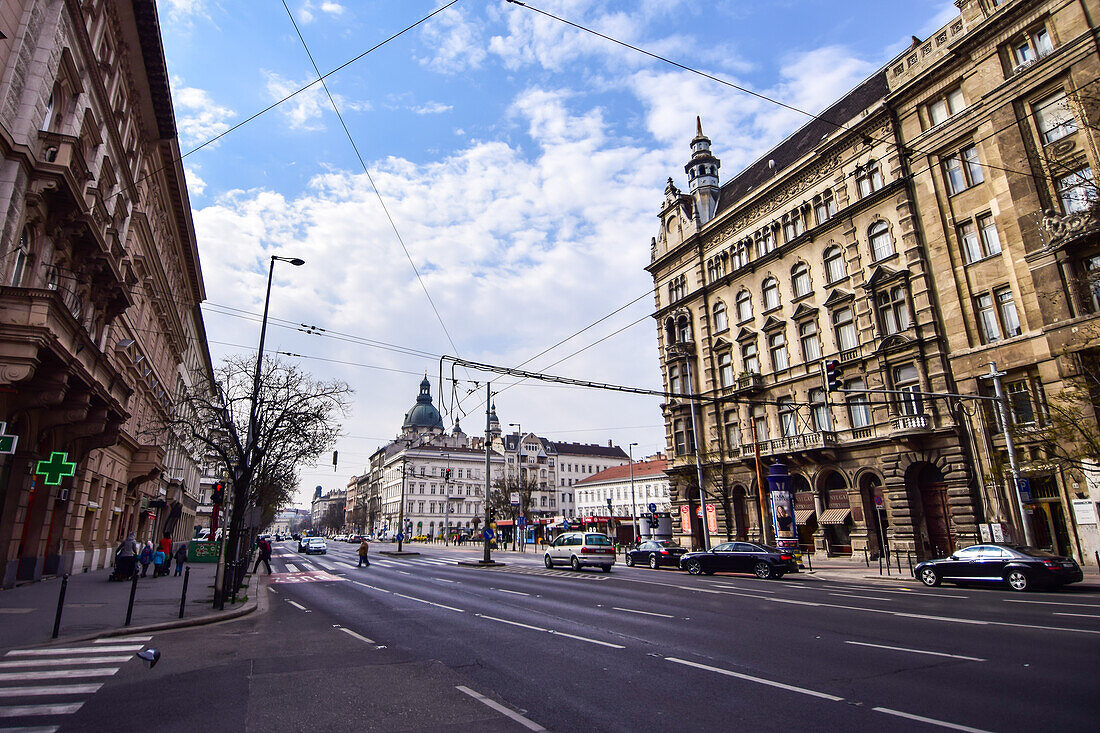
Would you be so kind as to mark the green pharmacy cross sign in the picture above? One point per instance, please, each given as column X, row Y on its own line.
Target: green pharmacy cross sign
column 56, row 468
column 7, row 442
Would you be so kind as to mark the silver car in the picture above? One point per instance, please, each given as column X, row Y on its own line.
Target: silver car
column 578, row 549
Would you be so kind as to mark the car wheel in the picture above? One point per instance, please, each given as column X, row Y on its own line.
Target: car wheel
column 930, row 577
column 654, row 562
column 575, row 563
column 630, row 561
column 763, row 571
column 1018, row 580
column 606, row 568
column 694, row 567
column 547, row 561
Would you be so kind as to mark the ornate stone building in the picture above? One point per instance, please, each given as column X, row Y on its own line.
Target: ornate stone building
column 99, row 319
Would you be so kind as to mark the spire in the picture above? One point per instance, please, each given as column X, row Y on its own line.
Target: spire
column 698, row 126
column 702, row 172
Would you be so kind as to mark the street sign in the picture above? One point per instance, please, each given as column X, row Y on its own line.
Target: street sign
column 1024, row 487
column 652, row 507
column 878, row 500
column 565, row 525
column 513, row 498
column 400, row 536
column 487, row 533
column 521, row 521
column 7, row 442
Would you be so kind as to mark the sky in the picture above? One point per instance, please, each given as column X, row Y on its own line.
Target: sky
column 517, row 162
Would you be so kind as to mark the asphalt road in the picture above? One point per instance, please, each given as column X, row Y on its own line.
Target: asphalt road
column 418, row 643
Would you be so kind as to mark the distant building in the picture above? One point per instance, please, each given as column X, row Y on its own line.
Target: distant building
column 649, row 486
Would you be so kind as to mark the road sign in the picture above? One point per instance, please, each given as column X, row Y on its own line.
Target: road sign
column 1024, row 487
column 565, row 525
column 487, row 533
column 7, row 442
column 513, row 498
column 878, row 500
column 652, row 507
column 400, row 536
column 521, row 521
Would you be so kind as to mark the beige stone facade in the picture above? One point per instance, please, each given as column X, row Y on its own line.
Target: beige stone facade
column 99, row 324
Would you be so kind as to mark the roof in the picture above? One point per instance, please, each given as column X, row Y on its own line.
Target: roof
column 803, row 141
column 642, row 469
column 590, row 449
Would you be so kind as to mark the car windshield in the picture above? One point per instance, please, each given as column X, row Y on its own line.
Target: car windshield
column 596, row 539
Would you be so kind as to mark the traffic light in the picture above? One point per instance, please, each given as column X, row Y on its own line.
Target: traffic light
column 832, row 375
column 218, row 495
column 447, row 473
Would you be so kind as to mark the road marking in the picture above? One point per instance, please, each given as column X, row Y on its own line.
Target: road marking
column 326, row 565
column 741, row 587
column 51, row 690
column 19, row 711
column 793, row 602
column 853, row 595
column 1078, row 615
column 930, row 721
column 444, row 580
column 360, row 637
column 1051, row 603
column 917, row 651
column 57, row 674
column 511, row 623
column 944, row 618
column 370, row 586
column 122, row 639
column 644, row 613
column 31, row 729
column 273, row 590
column 403, row 572
column 758, row 680
column 297, row 605
column 525, row 722
column 66, row 660
column 75, row 650
column 585, row 638
column 291, row 567
column 421, row 600
column 16, row 610
column 513, row 592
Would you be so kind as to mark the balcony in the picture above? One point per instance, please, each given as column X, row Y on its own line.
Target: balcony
column 849, row 355
column 61, row 155
column 910, row 424
column 1060, row 231
column 679, row 349
column 748, row 382
column 790, row 444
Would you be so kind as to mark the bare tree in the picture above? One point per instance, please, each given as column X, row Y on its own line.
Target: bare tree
column 500, row 497
column 334, row 517
column 1068, row 434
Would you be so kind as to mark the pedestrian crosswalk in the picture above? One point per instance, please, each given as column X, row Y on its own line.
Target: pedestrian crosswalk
column 40, row 687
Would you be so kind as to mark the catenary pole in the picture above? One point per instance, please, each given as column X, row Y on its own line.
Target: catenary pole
column 1010, row 446
column 486, row 556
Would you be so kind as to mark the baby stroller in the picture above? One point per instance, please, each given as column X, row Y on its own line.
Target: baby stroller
column 126, row 568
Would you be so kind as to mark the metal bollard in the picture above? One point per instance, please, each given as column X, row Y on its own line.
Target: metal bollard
column 866, row 558
column 1097, row 553
column 897, row 557
column 810, row 562
column 133, row 592
column 880, row 564
column 236, row 579
column 183, row 596
column 909, row 558
column 60, row 605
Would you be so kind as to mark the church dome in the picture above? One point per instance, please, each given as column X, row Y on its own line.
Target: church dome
column 423, row 414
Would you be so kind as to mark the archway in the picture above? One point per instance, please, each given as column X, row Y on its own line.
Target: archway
column 928, row 504
column 874, row 511
column 739, row 499
column 836, row 520
column 805, row 512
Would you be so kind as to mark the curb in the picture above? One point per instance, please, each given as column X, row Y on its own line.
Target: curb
column 395, row 553
column 481, row 564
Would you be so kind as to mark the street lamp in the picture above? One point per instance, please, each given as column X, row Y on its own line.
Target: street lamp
column 446, row 499
column 519, row 484
column 633, row 501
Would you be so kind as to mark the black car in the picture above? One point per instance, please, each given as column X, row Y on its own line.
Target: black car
column 741, row 557
column 1020, row 567
column 655, row 553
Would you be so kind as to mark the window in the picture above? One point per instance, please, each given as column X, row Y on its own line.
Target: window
column 740, row 254
column 674, row 378
column 677, row 288
column 907, row 381
column 1031, row 47
column 893, row 311
column 800, row 279
column 811, row 344
column 721, row 323
column 792, row 225
column 963, row 170
column 945, row 106
column 819, row 411
column 824, row 207
column 882, row 244
column 749, row 358
column 759, row 423
column 770, row 290
column 845, row 329
column 868, row 179
column 1054, row 118
column 777, row 346
column 1020, row 402
column 1006, row 308
column 788, row 417
column 859, row 411
column 733, row 435
column 682, row 437
column 21, row 255
column 716, row 267
column 683, row 330
column 835, row 269
column 765, row 240
column 987, row 319
column 1077, row 191
column 744, row 306
column 725, row 369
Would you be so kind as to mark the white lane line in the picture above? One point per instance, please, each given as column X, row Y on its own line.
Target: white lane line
column 325, row 565
column 273, row 590
column 372, row 587
column 758, row 680
column 585, row 638
column 360, row 637
column 19, row 711
column 917, row 651
column 869, row 598
column 122, row 639
column 74, row 650
column 31, row 729
column 793, row 602
column 976, row 622
column 57, row 674
column 1052, row 603
column 525, row 722
column 299, row 606
column 644, row 613
column 513, row 592
column 292, row 568
column 62, row 661
column 403, row 572
column 51, row 690
column 1078, row 615
column 930, row 721
column 437, row 605
column 511, row 623
column 444, row 580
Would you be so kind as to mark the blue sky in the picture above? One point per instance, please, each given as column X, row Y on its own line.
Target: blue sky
column 522, row 162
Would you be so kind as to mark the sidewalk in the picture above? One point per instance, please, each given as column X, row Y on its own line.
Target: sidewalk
column 837, row 568
column 94, row 606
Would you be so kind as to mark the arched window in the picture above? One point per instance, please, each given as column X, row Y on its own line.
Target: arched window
column 22, row 254
column 725, row 368
column 835, row 269
column 770, row 290
column 868, row 179
column 882, row 245
column 744, row 306
column 683, row 330
column 721, row 322
column 800, row 279
column 670, row 331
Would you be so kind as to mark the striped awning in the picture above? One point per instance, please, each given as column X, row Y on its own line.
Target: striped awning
column 835, row 516
column 801, row 516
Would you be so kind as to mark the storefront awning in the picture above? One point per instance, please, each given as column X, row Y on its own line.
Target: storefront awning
column 835, row 516
column 801, row 516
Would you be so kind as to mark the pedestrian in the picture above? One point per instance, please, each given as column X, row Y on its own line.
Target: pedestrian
column 159, row 559
column 364, row 549
column 264, row 556
column 181, row 557
column 166, row 547
column 145, row 558
column 126, row 558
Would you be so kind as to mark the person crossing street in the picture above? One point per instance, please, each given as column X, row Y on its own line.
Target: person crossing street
column 364, row 549
column 264, row 556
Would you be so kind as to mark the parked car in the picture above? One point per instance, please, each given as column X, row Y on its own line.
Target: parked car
column 316, row 546
column 741, row 557
column 302, row 541
column 580, row 549
column 655, row 553
column 1020, row 567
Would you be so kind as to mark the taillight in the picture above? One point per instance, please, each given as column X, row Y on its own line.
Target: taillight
column 664, row 552
column 587, row 550
column 1050, row 563
column 786, row 557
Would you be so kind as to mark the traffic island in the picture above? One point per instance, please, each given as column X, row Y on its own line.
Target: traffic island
column 481, row 563
column 395, row 553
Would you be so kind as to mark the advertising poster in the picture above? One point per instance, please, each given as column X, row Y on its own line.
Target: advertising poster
column 685, row 519
column 783, row 520
column 712, row 518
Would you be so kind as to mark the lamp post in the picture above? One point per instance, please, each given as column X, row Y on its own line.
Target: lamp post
column 446, row 500
column 519, row 483
column 633, row 502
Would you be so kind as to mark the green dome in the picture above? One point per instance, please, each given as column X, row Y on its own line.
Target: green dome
column 423, row 414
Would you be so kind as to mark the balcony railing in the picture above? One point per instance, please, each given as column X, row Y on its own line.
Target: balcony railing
column 63, row 151
column 790, row 444
column 747, row 382
column 849, row 355
column 1061, row 230
column 908, row 424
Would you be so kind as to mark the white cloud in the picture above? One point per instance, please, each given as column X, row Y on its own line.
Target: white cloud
column 198, row 117
column 457, row 43
column 186, row 9
column 196, row 186
column 305, row 110
column 432, row 108
column 333, row 8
